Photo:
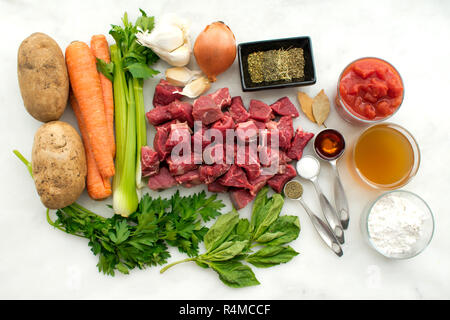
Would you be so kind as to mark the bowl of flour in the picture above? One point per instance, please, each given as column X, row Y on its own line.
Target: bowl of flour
column 399, row 224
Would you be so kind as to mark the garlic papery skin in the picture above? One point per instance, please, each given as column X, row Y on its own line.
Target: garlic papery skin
column 169, row 40
column 181, row 76
column 196, row 87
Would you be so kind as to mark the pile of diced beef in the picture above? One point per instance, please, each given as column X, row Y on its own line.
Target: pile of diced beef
column 174, row 123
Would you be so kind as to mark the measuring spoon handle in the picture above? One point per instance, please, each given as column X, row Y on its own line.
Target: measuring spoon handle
column 340, row 198
column 330, row 214
column 324, row 231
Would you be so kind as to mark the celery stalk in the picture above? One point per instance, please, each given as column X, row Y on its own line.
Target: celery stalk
column 125, row 200
column 141, row 128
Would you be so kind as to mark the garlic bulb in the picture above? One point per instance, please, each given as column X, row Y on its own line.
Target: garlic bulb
column 196, row 87
column 169, row 40
column 181, row 76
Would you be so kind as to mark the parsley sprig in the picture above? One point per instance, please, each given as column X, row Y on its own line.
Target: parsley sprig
column 141, row 240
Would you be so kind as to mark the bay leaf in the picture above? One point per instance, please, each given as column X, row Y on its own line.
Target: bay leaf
column 321, row 107
column 306, row 105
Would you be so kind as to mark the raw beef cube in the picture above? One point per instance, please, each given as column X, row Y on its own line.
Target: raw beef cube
column 162, row 180
column 286, row 132
column 159, row 142
column 189, row 179
column 300, row 141
column 284, row 159
column 217, row 187
column 247, row 159
column 149, row 161
column 235, row 177
column 179, row 133
column 260, row 111
column 165, row 93
column 259, row 124
column 238, row 111
column 246, row 131
column 181, row 111
column 278, row 181
column 240, row 198
column 224, row 124
column 221, row 97
column 258, row 183
column 179, row 165
column 206, row 110
column 159, row 115
column 214, row 153
column 284, row 107
column 208, row 174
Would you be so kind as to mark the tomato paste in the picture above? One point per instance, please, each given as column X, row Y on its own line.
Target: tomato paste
column 371, row 89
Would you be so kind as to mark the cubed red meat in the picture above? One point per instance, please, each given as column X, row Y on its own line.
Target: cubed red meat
column 240, row 198
column 162, row 180
column 159, row 142
column 260, row 111
column 284, row 107
column 258, row 183
column 279, row 180
column 179, row 133
column 159, row 115
column 221, row 97
column 238, row 111
column 217, row 187
column 246, row 131
column 206, row 110
column 247, row 159
column 149, row 161
column 189, row 179
column 209, row 173
column 235, row 177
column 181, row 165
column 299, row 143
column 165, row 93
column 182, row 111
column 224, row 124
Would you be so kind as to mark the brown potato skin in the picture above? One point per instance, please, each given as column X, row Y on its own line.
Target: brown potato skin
column 59, row 164
column 43, row 78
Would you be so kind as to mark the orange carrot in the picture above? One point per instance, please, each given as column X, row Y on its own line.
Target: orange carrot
column 97, row 186
column 85, row 82
column 100, row 49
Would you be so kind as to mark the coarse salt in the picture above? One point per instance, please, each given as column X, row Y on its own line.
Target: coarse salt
column 396, row 225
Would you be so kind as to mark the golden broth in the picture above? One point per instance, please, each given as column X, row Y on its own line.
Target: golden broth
column 384, row 156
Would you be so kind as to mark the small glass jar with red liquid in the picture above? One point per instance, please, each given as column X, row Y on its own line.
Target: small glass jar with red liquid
column 329, row 144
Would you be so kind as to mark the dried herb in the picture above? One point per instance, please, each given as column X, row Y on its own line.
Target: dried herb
column 276, row 65
column 321, row 107
column 306, row 105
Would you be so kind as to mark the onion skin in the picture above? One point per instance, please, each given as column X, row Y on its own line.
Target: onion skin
column 215, row 49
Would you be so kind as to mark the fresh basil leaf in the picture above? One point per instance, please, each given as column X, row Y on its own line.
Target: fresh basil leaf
column 271, row 256
column 220, row 230
column 141, row 71
column 285, row 229
column 258, row 204
column 107, row 69
column 269, row 214
column 226, row 251
column 234, row 274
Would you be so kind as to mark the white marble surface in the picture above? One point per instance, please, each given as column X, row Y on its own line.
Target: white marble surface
column 39, row 262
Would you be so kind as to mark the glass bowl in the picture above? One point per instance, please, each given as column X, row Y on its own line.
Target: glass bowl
column 426, row 233
column 415, row 164
column 344, row 111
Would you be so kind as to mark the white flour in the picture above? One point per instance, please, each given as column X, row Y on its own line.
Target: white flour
column 395, row 225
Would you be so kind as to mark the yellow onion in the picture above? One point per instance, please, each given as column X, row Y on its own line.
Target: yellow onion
column 215, row 49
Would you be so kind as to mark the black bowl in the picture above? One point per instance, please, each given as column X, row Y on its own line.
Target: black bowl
column 244, row 49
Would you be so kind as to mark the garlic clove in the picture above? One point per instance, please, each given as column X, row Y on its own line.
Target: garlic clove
column 180, row 76
column 177, row 58
column 166, row 37
column 196, row 87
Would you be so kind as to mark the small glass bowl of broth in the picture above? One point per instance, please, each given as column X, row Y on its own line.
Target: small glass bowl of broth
column 386, row 156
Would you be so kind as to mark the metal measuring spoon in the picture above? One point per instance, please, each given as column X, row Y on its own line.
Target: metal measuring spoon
column 308, row 168
column 332, row 155
column 294, row 191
